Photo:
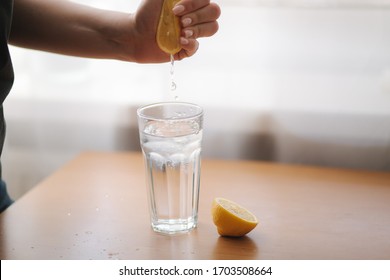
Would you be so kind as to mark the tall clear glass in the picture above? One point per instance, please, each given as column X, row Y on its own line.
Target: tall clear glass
column 171, row 136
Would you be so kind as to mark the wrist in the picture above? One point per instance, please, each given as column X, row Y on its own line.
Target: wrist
column 120, row 35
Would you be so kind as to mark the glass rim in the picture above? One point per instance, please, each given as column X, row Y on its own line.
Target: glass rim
column 140, row 114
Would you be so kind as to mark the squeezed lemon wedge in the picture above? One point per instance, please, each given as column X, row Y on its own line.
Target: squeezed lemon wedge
column 232, row 219
column 168, row 29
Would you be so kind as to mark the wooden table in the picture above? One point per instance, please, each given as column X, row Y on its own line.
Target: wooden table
column 95, row 207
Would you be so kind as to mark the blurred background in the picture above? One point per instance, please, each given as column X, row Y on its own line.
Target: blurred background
column 291, row 81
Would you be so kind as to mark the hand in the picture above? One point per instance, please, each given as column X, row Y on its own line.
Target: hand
column 198, row 19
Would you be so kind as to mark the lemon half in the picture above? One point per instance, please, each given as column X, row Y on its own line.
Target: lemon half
column 232, row 219
column 168, row 30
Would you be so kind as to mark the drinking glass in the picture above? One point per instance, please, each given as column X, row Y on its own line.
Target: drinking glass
column 170, row 137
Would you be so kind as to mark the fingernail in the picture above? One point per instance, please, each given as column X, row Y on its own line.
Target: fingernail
column 184, row 41
column 178, row 9
column 188, row 33
column 186, row 22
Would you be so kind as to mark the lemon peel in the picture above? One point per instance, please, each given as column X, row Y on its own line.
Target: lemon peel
column 231, row 219
column 168, row 29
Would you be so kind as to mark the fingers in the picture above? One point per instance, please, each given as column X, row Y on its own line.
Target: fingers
column 189, row 6
column 201, row 30
column 208, row 13
column 198, row 18
column 189, row 48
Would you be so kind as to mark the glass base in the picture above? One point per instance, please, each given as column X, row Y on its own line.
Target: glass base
column 174, row 226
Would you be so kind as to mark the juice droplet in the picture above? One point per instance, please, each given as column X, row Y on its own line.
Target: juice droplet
column 173, row 87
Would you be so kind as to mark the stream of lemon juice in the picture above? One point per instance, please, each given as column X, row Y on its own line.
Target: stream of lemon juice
column 173, row 83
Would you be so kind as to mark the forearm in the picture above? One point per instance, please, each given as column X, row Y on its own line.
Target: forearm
column 69, row 28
